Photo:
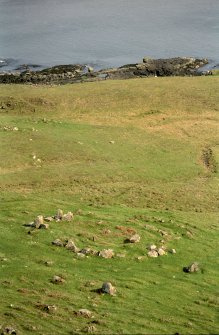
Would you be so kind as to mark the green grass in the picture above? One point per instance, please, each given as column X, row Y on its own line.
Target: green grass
column 129, row 156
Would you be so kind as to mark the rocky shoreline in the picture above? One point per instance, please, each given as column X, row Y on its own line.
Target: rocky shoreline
column 76, row 73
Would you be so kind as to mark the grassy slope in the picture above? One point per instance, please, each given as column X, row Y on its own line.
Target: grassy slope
column 153, row 172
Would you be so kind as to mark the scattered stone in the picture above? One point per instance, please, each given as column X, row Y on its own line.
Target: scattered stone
column 44, row 226
column 134, row 238
column 57, row 280
column 90, row 329
column 59, row 214
column 194, row 267
column 51, row 309
column 112, row 142
column 38, row 221
column 152, row 247
column 71, row 246
column 152, row 253
column 8, row 330
column 88, row 251
column 84, row 312
column 172, row 251
column 67, row 217
column 48, row 219
column 58, row 243
column 106, row 253
column 108, row 288
column 161, row 252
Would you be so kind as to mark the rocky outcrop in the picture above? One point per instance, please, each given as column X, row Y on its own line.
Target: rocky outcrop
column 63, row 74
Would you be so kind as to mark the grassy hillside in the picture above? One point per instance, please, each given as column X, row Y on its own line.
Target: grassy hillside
column 124, row 156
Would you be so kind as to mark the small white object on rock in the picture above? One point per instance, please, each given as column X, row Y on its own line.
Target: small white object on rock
column 108, row 288
column 152, row 253
column 134, row 238
column 106, row 253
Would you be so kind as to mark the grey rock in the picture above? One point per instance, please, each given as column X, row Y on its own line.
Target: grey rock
column 84, row 312
column 108, row 288
column 67, row 217
column 38, row 221
column 58, row 243
column 152, row 253
column 161, row 252
column 106, row 253
column 57, row 280
column 51, row 309
column 8, row 330
column 71, row 246
column 134, row 238
column 194, row 267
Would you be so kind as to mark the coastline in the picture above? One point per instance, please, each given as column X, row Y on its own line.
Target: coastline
column 76, row 73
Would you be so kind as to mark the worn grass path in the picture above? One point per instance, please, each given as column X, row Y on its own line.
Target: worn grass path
column 136, row 155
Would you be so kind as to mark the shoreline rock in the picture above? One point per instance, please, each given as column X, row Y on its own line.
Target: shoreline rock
column 77, row 73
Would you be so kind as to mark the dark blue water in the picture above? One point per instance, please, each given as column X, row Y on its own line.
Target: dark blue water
column 106, row 33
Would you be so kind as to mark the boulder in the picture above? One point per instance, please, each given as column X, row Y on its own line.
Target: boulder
column 84, row 312
column 134, row 238
column 58, row 243
column 194, row 267
column 57, row 280
column 38, row 221
column 8, row 330
column 106, row 253
column 67, row 217
column 108, row 288
column 161, row 252
column 71, row 246
column 152, row 247
column 51, row 309
column 152, row 253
